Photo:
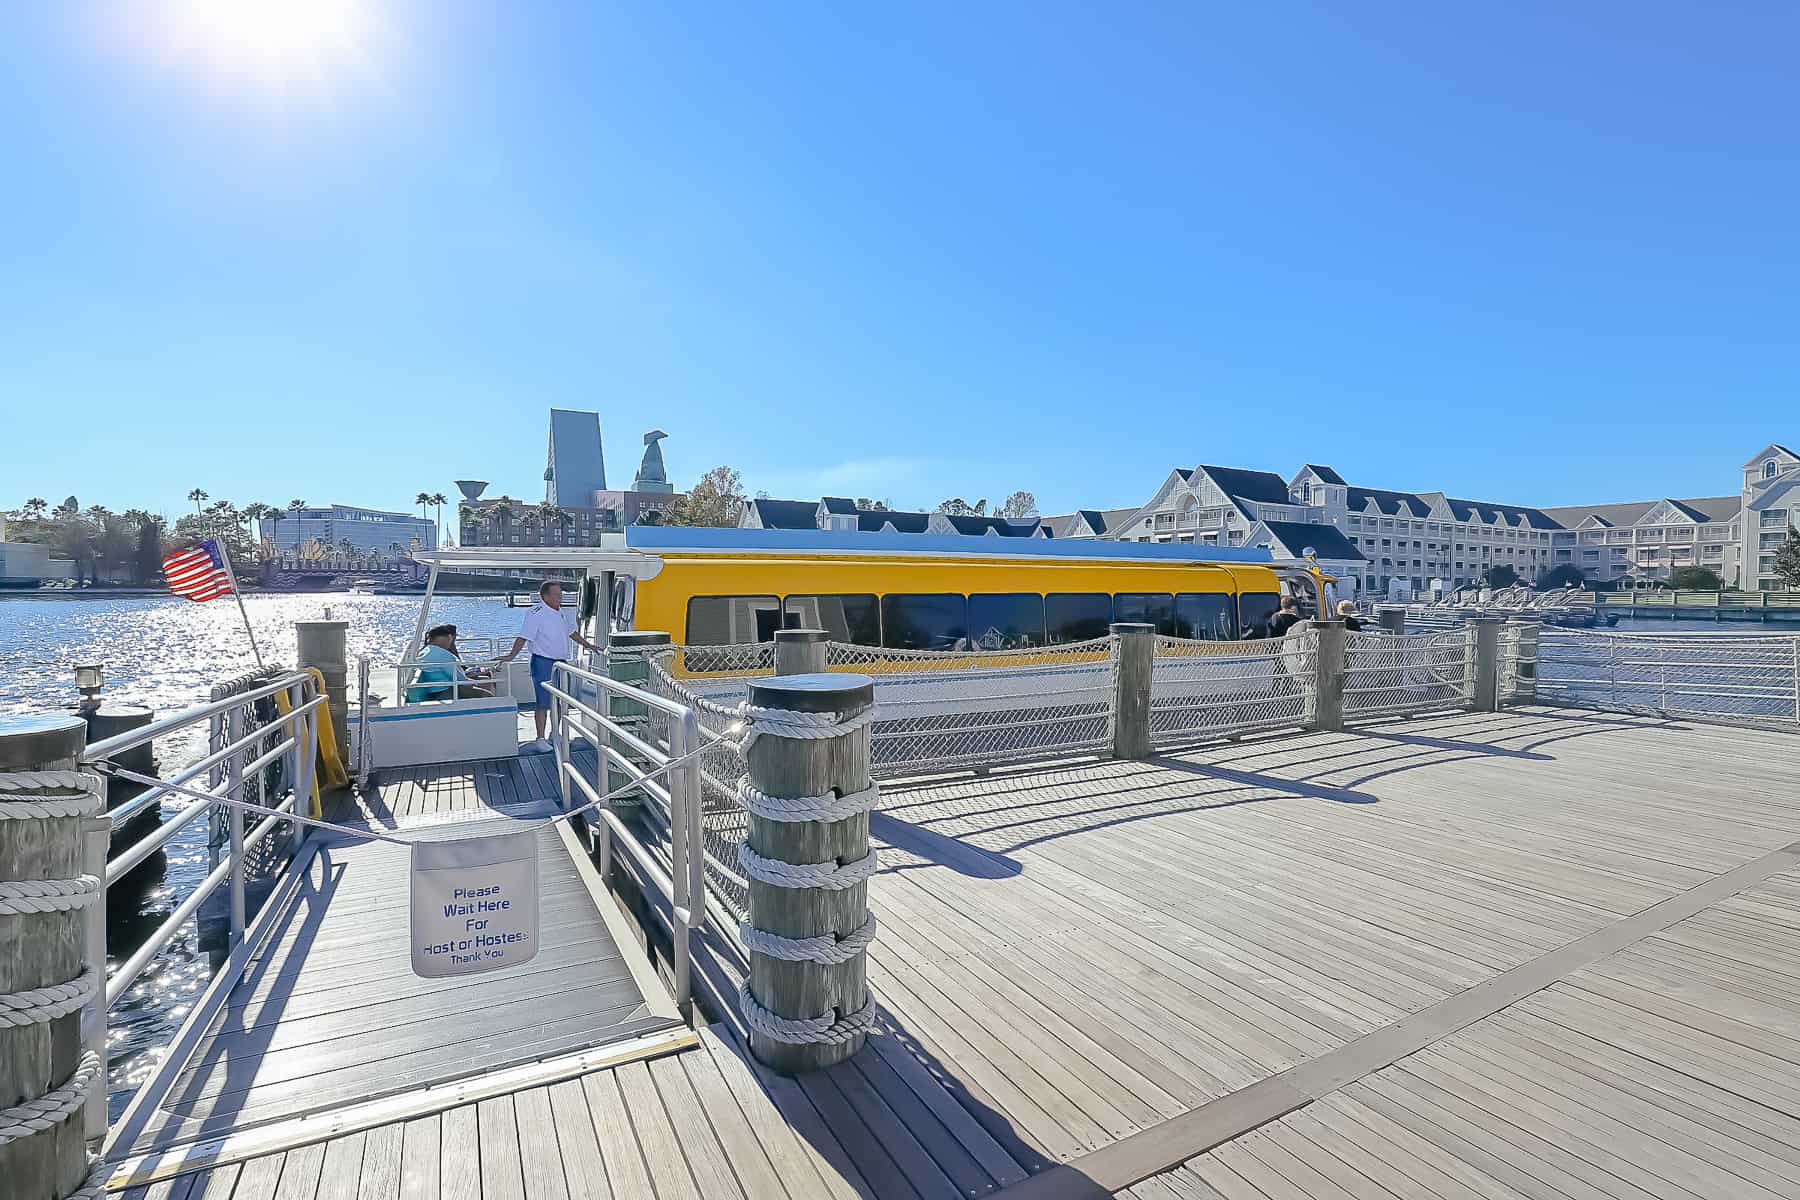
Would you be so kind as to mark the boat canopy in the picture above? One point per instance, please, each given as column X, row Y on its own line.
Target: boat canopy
column 693, row 539
column 611, row 555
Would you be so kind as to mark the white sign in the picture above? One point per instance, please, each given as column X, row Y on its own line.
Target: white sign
column 474, row 904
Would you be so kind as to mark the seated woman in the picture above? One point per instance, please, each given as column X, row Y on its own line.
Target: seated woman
column 443, row 678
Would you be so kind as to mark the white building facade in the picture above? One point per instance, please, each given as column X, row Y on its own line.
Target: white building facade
column 1771, row 508
column 368, row 530
column 1427, row 538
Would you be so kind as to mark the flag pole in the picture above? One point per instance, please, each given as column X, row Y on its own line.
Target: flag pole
column 225, row 557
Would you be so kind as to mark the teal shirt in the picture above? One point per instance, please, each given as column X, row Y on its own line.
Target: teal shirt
column 442, row 672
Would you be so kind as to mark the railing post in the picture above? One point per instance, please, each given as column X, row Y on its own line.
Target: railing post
column 807, row 859
column 46, row 942
column 1528, row 631
column 800, row 651
column 1484, row 670
column 628, row 661
column 234, row 822
column 1328, row 675
column 1135, row 645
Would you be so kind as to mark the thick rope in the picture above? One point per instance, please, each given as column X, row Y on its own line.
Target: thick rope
column 827, row 949
column 17, row 805
column 36, row 1005
column 831, row 876
column 805, row 1031
column 48, row 895
column 827, row 807
column 807, row 726
column 48, row 1110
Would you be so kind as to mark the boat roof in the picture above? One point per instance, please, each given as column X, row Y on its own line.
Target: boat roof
column 660, row 539
column 639, row 550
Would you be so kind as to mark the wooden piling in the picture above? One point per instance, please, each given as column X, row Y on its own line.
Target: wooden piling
column 1484, row 664
column 321, row 644
column 43, row 945
column 791, row 767
column 1328, row 675
column 1136, row 646
column 800, row 651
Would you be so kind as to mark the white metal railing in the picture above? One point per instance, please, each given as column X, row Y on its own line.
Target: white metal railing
column 1200, row 690
column 239, row 752
column 649, row 742
column 1730, row 678
column 1387, row 673
column 943, row 710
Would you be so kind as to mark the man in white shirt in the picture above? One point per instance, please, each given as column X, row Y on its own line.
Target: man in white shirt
column 548, row 628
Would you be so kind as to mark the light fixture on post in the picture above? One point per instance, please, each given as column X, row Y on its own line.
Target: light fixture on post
column 89, row 679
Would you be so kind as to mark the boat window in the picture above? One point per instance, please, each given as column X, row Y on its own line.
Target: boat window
column 1008, row 621
column 1254, row 611
column 1209, row 615
column 731, row 620
column 854, row 619
column 924, row 622
column 1076, row 616
column 1151, row 608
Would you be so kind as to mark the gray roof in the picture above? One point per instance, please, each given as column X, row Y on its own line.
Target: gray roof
column 876, row 519
column 1388, row 502
column 786, row 514
column 1264, row 487
column 1324, row 473
column 1701, row 508
column 1326, row 540
column 1515, row 515
column 839, row 505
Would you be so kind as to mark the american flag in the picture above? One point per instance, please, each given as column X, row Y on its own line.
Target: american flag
column 198, row 572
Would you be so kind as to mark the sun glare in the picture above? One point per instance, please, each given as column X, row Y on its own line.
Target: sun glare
column 280, row 45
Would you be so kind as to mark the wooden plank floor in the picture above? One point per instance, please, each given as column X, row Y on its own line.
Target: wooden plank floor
column 328, row 1013
column 1082, row 967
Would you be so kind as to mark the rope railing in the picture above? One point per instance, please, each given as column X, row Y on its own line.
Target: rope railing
column 1201, row 690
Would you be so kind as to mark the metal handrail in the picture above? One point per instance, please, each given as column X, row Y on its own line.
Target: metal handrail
column 683, row 882
column 244, row 754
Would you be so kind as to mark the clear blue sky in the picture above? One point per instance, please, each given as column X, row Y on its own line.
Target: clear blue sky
column 1540, row 253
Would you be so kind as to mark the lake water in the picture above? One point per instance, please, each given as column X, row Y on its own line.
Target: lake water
column 166, row 654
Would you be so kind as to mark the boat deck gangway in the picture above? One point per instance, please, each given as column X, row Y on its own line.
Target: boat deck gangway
column 328, row 1028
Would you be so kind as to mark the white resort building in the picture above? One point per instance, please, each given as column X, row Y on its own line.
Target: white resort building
column 1422, row 538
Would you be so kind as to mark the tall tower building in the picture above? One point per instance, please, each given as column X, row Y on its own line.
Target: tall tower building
column 576, row 468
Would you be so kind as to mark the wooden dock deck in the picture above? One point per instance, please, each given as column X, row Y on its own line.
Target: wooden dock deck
column 1538, row 953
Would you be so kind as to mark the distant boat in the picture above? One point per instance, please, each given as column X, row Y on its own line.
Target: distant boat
column 364, row 587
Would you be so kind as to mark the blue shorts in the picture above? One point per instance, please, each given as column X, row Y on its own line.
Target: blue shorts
column 541, row 669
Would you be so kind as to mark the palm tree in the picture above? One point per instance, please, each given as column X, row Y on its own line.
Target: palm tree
column 36, row 507
column 296, row 504
column 504, row 513
column 422, row 499
column 198, row 495
column 275, row 519
column 438, row 500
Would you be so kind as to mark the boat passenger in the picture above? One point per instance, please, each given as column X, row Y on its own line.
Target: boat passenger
column 444, row 678
column 1286, row 619
column 548, row 628
column 1347, row 610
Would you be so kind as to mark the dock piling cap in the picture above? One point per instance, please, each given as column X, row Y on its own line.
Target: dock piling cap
column 30, row 740
column 828, row 691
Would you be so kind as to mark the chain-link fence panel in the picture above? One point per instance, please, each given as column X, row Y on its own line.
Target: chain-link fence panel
column 266, row 787
column 1748, row 679
column 1405, row 672
column 938, row 710
column 715, row 700
column 1203, row 690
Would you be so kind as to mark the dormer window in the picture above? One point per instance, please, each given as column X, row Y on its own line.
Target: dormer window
column 1769, row 469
